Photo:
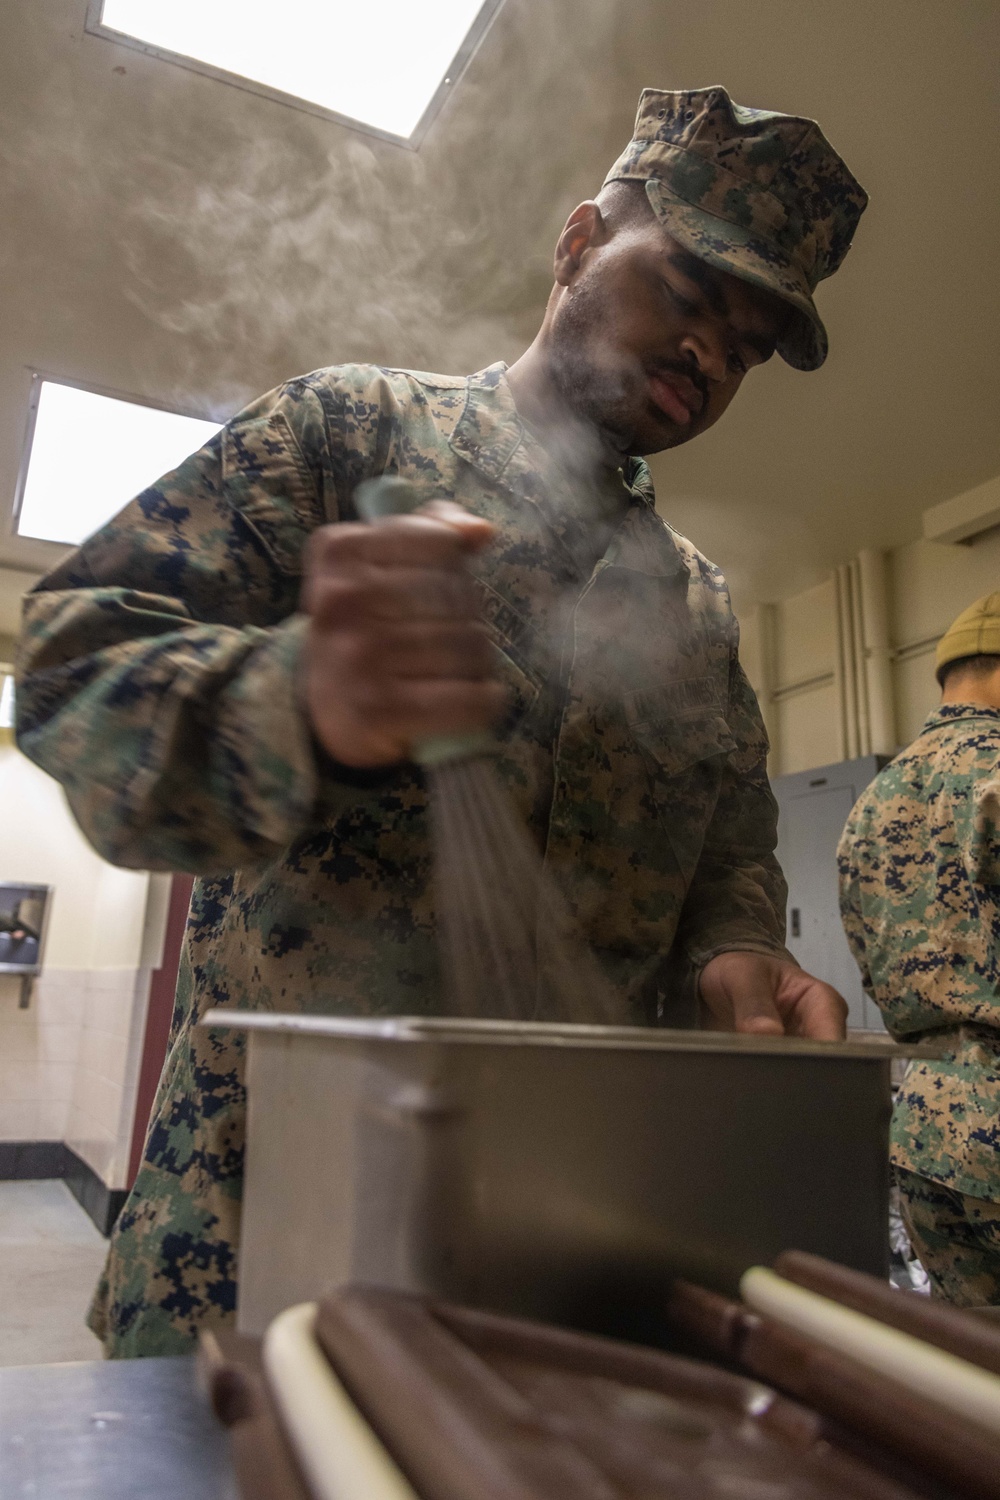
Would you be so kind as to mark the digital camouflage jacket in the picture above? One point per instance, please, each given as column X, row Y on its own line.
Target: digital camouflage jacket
column 920, row 898
column 158, row 684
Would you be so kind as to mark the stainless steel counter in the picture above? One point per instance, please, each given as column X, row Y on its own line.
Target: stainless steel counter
column 126, row 1430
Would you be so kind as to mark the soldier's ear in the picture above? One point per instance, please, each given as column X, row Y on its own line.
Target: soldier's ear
column 585, row 229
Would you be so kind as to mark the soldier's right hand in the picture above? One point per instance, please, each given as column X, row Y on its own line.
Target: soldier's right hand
column 396, row 652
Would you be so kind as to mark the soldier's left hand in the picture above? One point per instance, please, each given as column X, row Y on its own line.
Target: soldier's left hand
column 756, row 993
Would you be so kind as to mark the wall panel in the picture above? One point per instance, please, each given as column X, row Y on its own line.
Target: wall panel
column 928, row 585
column 807, row 728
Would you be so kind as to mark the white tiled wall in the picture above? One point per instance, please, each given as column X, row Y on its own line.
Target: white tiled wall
column 102, row 1104
column 69, row 1064
column 39, row 1048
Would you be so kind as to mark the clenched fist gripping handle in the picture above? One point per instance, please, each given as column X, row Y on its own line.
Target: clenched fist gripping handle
column 377, row 500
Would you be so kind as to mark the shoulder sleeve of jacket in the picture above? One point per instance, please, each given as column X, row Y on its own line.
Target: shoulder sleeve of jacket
column 157, row 665
column 736, row 900
column 850, row 883
column 975, row 807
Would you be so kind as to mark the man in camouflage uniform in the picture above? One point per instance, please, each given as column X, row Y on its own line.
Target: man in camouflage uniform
column 228, row 678
column 920, row 896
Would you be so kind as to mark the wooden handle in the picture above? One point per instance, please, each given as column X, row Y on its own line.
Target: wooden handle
column 944, row 1327
column 930, row 1373
column 917, row 1431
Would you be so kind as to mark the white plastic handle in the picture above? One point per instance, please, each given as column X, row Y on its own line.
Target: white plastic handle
column 339, row 1454
column 951, row 1382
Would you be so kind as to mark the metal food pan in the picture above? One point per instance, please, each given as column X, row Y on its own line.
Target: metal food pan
column 559, row 1172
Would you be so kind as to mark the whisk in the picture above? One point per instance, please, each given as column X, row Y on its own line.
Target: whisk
column 509, row 945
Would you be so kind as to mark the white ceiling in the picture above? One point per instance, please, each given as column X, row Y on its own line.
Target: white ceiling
column 166, row 235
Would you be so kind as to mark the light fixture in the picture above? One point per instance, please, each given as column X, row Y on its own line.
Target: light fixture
column 386, row 67
column 87, row 455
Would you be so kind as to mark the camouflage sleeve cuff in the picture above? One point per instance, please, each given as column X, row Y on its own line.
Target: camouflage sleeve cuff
column 262, row 731
column 699, row 957
column 375, row 780
column 295, row 781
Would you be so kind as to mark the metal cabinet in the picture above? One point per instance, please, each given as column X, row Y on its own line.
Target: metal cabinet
column 814, row 806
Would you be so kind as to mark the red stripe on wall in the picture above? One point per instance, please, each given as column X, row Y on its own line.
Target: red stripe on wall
column 162, row 984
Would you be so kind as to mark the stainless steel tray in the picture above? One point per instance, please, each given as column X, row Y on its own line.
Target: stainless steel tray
column 561, row 1172
column 546, row 1034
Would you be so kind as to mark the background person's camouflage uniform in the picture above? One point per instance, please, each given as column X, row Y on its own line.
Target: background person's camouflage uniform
column 920, row 898
column 957, row 1236
column 157, row 682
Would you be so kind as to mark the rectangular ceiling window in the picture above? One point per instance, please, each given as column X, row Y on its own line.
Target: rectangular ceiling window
column 379, row 65
column 89, row 454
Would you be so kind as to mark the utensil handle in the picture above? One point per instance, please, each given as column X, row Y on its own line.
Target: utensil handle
column 391, row 495
column 387, row 495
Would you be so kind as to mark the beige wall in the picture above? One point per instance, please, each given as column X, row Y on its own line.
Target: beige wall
column 789, row 648
column 69, row 1063
column 98, row 912
column 101, row 1108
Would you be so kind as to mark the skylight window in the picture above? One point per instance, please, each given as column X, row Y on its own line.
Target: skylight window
column 90, row 454
column 382, row 65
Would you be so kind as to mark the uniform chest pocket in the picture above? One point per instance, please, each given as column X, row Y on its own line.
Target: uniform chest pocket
column 685, row 758
column 522, row 692
column 676, row 746
column 513, row 666
column 268, row 482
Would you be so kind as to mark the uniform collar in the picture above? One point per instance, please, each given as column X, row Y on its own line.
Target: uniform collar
column 489, row 431
column 491, row 436
column 644, row 542
column 946, row 713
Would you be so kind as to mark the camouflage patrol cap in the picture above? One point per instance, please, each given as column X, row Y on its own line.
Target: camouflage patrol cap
column 976, row 632
column 761, row 195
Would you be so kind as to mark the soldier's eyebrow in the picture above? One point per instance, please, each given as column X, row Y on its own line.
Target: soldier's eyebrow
column 703, row 277
column 708, row 282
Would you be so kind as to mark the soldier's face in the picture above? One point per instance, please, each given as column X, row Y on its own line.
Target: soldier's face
column 648, row 343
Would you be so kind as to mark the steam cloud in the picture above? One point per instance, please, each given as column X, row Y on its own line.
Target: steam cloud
column 264, row 241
